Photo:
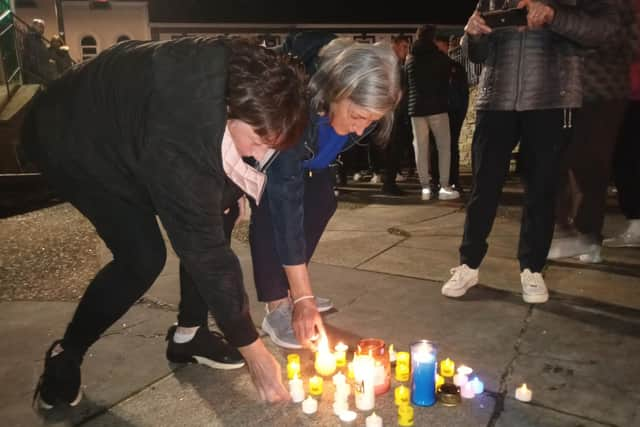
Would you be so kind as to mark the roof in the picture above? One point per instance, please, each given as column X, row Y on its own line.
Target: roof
column 299, row 12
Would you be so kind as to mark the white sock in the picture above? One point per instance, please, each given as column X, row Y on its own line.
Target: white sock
column 183, row 335
column 634, row 226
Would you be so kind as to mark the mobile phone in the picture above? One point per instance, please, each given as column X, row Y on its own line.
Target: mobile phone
column 515, row 17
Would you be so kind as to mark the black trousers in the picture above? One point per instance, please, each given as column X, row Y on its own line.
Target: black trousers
column 542, row 139
column 626, row 166
column 456, row 120
column 398, row 142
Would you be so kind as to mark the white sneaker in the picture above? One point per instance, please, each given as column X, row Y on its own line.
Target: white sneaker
column 400, row 177
column 534, row 290
column 376, row 178
column 567, row 247
column 630, row 238
column 448, row 193
column 357, row 176
column 463, row 278
column 426, row 194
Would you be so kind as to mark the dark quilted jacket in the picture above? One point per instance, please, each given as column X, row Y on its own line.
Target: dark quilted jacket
column 428, row 72
column 540, row 69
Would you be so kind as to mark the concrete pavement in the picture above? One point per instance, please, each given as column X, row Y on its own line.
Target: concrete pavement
column 383, row 264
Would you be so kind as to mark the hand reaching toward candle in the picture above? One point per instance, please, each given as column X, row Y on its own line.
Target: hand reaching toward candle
column 307, row 322
column 265, row 372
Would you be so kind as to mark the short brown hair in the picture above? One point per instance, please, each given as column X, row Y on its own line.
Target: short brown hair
column 268, row 91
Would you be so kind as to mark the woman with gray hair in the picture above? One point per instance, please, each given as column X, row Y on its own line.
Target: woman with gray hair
column 354, row 90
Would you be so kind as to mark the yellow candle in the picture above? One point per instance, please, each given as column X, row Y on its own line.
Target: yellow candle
column 439, row 381
column 293, row 357
column 447, row 368
column 405, row 415
column 325, row 360
column 315, row 385
column 401, row 395
column 293, row 369
column 341, row 354
column 402, row 366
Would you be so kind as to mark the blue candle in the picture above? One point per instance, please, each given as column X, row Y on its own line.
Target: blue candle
column 423, row 373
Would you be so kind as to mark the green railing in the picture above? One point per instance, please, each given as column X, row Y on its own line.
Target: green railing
column 10, row 76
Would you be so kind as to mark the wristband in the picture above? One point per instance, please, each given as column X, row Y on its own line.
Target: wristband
column 297, row 300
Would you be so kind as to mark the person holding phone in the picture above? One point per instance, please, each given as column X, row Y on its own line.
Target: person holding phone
column 529, row 88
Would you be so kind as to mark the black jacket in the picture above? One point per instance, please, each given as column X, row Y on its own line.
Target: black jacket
column 144, row 121
column 428, row 72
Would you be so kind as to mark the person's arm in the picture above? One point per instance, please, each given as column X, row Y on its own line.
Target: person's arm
column 475, row 41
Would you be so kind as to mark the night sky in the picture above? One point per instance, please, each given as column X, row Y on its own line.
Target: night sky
column 311, row 11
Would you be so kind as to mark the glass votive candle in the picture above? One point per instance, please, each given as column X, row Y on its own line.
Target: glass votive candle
column 376, row 348
column 423, row 373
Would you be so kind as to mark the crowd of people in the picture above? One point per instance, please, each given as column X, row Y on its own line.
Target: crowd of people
column 42, row 60
column 254, row 122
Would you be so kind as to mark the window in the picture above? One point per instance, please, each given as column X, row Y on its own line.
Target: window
column 89, row 47
column 123, row 38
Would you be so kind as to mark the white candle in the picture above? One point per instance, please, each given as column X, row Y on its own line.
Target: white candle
column 523, row 393
column 392, row 354
column 310, row 406
column 342, row 392
column 339, row 378
column 373, row 420
column 364, row 370
column 464, row 370
column 466, row 391
column 340, row 406
column 348, row 416
column 296, row 389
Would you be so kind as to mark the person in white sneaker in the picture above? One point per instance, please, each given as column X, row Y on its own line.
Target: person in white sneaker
column 535, row 112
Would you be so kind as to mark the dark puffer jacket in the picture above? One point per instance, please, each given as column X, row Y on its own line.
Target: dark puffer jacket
column 540, row 69
column 428, row 72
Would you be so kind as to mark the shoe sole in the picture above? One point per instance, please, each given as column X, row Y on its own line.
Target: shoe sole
column 448, row 197
column 217, row 365
column 272, row 334
column 621, row 245
column 457, row 293
column 47, row 407
column 535, row 299
column 325, row 308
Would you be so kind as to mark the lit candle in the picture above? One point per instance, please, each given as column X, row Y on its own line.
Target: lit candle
column 478, row 386
column 373, row 420
column 325, row 360
column 447, row 368
column 402, row 366
column 465, row 370
column 460, row 379
column 439, row 382
column 340, row 406
column 364, row 370
column 310, row 405
column 466, row 391
column 401, row 395
column 348, row 416
column 293, row 369
column 392, row 354
column 342, row 391
column 405, row 415
column 423, row 373
column 296, row 389
column 339, row 378
column 341, row 354
column 523, row 393
column 315, row 385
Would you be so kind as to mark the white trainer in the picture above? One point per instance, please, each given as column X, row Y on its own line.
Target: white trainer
column 426, row 194
column 448, row 193
column 534, row 290
column 400, row 177
column 463, row 278
column 376, row 178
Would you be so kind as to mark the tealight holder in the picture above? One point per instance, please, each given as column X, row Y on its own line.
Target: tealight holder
column 449, row 394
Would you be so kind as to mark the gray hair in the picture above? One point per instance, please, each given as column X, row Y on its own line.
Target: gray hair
column 366, row 74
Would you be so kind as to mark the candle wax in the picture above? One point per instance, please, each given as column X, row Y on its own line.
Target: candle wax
column 348, row 416
column 523, row 393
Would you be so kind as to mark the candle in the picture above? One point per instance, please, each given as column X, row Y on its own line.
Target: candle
column 460, row 379
column 523, row 393
column 339, row 378
column 465, row 370
column 342, row 391
column 439, row 382
column 315, row 385
column 478, row 386
column 293, row 369
column 325, row 360
column 373, row 420
column 340, row 406
column 296, row 389
column 375, row 348
column 401, row 395
column 402, row 366
column 405, row 415
column 363, row 369
column 447, row 368
column 310, row 406
column 350, row 373
column 341, row 354
column 348, row 416
column 423, row 373
column 392, row 354
column 466, row 391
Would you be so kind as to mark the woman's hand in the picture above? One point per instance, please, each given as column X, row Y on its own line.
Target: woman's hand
column 307, row 322
column 265, row 372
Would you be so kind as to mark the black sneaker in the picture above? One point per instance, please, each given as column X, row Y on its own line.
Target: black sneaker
column 207, row 347
column 393, row 190
column 59, row 384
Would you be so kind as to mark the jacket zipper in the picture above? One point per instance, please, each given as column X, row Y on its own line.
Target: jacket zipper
column 519, row 75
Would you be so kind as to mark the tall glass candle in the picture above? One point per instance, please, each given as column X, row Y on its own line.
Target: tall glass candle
column 376, row 348
column 423, row 373
column 363, row 369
